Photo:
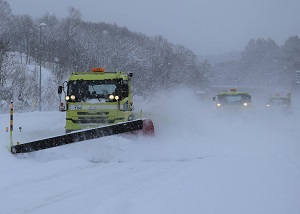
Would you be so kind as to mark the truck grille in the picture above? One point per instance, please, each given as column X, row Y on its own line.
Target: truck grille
column 96, row 113
column 93, row 120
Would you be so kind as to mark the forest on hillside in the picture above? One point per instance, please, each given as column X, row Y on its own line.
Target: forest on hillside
column 262, row 63
column 65, row 45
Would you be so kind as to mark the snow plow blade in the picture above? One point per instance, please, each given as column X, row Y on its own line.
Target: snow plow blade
column 144, row 126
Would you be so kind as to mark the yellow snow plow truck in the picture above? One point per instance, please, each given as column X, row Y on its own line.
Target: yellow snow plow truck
column 97, row 104
column 233, row 100
column 97, row 98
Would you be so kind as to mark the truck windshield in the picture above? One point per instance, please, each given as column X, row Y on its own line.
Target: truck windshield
column 234, row 98
column 92, row 89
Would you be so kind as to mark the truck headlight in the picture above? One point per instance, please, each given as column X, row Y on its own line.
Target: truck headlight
column 67, row 98
column 111, row 97
column 72, row 97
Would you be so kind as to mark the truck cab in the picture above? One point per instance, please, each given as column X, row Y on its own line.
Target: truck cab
column 233, row 100
column 97, row 98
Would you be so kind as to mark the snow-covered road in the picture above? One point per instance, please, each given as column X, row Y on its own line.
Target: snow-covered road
column 196, row 163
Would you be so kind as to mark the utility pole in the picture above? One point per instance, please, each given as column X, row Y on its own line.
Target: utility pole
column 40, row 56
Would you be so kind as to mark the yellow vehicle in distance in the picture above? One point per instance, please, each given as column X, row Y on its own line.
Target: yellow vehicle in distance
column 233, row 100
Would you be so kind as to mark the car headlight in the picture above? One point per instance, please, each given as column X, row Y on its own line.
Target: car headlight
column 219, row 104
column 268, row 105
column 245, row 104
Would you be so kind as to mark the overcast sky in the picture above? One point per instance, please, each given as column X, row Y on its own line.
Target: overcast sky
column 204, row 26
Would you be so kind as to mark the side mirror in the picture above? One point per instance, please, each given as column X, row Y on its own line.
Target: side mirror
column 62, row 107
column 214, row 98
column 59, row 89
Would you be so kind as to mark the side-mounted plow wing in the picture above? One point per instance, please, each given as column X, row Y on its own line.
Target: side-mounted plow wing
column 145, row 126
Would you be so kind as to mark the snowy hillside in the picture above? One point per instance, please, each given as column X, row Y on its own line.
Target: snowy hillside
column 196, row 163
column 21, row 83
